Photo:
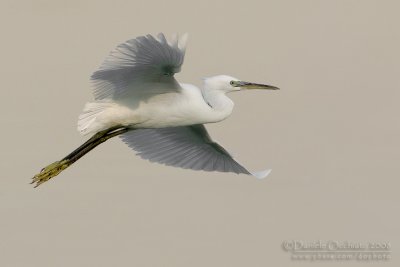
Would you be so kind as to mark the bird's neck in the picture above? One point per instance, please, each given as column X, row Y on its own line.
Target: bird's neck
column 221, row 105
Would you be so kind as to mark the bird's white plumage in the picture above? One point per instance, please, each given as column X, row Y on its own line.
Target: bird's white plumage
column 135, row 87
column 261, row 174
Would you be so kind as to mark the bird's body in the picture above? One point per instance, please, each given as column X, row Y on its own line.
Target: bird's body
column 138, row 98
column 187, row 106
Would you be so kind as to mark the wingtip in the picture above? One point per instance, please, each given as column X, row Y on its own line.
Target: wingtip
column 261, row 174
column 178, row 40
column 183, row 41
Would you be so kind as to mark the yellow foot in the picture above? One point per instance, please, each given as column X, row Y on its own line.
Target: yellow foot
column 49, row 172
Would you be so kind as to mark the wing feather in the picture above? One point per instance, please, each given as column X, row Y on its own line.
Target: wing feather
column 188, row 147
column 139, row 64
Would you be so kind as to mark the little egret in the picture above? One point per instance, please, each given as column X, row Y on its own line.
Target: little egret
column 138, row 98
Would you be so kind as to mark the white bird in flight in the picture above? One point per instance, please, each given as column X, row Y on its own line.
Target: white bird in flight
column 138, row 99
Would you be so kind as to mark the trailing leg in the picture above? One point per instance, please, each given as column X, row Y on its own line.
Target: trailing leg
column 56, row 167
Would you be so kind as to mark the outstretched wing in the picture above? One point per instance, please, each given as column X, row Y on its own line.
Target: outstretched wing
column 188, row 147
column 140, row 63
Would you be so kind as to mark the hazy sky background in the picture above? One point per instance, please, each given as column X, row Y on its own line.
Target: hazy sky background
column 331, row 134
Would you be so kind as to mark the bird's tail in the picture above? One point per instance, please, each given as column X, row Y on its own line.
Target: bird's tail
column 55, row 168
column 87, row 121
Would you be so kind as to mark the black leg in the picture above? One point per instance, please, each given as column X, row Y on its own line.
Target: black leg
column 55, row 168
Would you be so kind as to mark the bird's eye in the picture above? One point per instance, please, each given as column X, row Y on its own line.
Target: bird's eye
column 232, row 82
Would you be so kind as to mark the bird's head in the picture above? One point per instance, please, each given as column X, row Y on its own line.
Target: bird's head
column 228, row 84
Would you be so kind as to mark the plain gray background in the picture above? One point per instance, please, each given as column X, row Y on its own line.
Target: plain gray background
column 331, row 135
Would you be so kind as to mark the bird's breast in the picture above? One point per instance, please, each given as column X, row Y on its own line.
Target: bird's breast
column 174, row 109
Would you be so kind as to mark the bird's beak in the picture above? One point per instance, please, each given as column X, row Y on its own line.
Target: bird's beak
column 248, row 85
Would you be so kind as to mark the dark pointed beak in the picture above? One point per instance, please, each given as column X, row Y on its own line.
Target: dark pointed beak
column 249, row 85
